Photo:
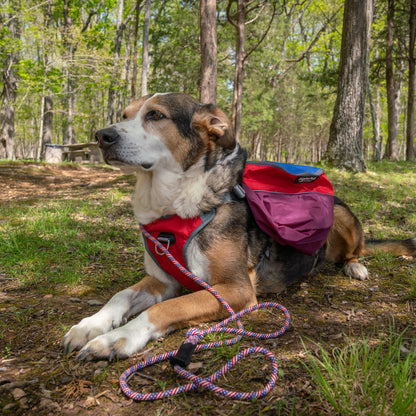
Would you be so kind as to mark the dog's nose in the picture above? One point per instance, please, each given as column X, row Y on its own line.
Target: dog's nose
column 106, row 137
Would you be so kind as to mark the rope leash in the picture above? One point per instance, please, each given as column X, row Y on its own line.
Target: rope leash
column 181, row 357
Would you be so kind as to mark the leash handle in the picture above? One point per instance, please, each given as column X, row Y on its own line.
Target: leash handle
column 182, row 357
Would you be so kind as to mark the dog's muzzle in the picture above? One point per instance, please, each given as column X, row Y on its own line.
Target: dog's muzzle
column 107, row 137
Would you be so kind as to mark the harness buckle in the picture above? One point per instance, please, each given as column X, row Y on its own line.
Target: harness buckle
column 239, row 191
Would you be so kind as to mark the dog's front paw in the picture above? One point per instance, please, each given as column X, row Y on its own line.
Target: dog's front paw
column 121, row 342
column 88, row 329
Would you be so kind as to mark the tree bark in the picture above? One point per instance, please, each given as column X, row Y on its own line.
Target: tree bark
column 46, row 115
column 410, row 127
column 208, row 41
column 375, row 122
column 47, row 120
column 135, row 50
column 10, row 80
column 116, row 59
column 345, row 145
column 240, row 54
column 145, row 55
column 68, row 132
column 255, row 151
column 391, row 88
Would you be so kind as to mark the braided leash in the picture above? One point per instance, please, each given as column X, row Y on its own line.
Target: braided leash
column 181, row 357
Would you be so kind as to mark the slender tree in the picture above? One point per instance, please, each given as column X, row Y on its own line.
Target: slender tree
column 46, row 115
column 68, row 132
column 145, row 51
column 238, row 20
column 410, row 128
column 391, row 88
column 346, row 132
column 70, row 46
column 208, row 42
column 135, row 49
column 120, row 26
column 10, row 81
column 375, row 122
column 240, row 24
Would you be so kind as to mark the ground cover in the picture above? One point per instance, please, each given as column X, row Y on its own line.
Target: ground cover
column 68, row 241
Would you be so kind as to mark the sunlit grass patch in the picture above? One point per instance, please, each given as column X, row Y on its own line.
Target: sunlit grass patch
column 65, row 241
column 371, row 376
column 382, row 198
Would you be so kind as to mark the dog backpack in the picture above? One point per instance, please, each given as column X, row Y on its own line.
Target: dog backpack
column 293, row 204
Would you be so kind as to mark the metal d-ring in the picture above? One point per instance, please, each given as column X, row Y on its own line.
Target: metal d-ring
column 162, row 253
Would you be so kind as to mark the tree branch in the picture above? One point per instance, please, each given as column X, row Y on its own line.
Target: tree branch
column 264, row 34
column 304, row 53
column 229, row 18
column 17, row 15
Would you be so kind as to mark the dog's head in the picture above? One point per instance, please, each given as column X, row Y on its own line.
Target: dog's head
column 166, row 129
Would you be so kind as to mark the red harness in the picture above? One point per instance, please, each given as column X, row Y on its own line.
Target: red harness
column 176, row 234
column 292, row 204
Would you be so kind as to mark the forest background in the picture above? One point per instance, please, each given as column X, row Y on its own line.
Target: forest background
column 69, row 68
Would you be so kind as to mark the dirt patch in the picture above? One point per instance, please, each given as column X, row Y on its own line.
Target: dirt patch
column 22, row 181
column 36, row 378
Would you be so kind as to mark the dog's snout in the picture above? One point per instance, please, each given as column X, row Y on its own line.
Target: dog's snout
column 106, row 137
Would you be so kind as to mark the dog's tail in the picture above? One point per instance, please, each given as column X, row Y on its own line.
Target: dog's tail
column 395, row 247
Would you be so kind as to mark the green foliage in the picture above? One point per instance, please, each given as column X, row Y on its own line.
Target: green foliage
column 370, row 376
column 175, row 63
column 289, row 83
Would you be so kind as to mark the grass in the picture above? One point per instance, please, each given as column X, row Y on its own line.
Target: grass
column 45, row 244
column 384, row 199
column 85, row 241
column 371, row 376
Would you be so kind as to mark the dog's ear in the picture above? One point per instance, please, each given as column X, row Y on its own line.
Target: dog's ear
column 214, row 126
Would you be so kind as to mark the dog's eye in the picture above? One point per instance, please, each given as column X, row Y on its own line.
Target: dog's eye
column 124, row 116
column 155, row 115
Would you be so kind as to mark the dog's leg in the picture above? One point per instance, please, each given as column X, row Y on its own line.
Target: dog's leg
column 345, row 242
column 166, row 316
column 117, row 311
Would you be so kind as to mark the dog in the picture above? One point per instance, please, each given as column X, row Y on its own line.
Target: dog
column 187, row 161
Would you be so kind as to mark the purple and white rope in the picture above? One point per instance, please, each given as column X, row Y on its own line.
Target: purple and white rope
column 194, row 335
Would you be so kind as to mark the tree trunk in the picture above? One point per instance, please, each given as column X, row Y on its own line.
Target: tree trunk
column 46, row 120
column 208, row 41
column 375, row 122
column 116, row 59
column 46, row 115
column 145, row 55
column 10, row 80
column 240, row 54
column 68, row 133
column 391, row 88
column 410, row 127
column 135, row 51
column 255, row 151
column 346, row 132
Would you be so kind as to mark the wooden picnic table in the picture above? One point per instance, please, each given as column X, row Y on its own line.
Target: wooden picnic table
column 78, row 152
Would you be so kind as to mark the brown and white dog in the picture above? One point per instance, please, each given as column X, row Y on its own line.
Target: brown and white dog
column 186, row 160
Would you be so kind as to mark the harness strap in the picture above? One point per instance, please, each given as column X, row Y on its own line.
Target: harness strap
column 176, row 234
